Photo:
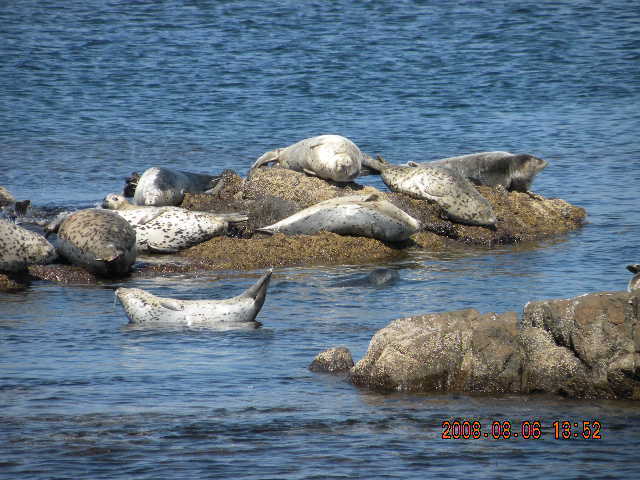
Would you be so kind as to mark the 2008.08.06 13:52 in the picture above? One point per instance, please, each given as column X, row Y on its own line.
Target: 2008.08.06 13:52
column 528, row 430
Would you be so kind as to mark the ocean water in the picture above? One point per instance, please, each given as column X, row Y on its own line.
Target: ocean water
column 92, row 91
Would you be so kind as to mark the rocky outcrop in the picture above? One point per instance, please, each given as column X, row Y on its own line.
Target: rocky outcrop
column 334, row 360
column 585, row 347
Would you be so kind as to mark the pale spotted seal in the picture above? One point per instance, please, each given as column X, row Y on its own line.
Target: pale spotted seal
column 455, row 194
column 20, row 248
column 358, row 215
column 512, row 171
column 99, row 240
column 331, row 157
column 170, row 229
column 160, row 187
column 144, row 308
column 634, row 283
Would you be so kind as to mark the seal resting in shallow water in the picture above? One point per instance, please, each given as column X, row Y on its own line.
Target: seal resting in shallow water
column 455, row 194
column 634, row 283
column 358, row 215
column 144, row 308
column 331, row 157
column 512, row 171
column 159, row 186
column 99, row 240
column 20, row 248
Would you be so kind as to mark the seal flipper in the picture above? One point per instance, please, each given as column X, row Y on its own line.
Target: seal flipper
column 156, row 249
column 258, row 291
column 272, row 156
column 309, row 172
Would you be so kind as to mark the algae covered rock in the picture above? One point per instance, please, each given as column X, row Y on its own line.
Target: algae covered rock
column 333, row 360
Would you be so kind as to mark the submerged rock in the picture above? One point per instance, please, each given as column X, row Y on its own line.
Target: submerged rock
column 585, row 347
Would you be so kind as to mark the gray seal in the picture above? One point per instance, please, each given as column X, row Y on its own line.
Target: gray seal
column 358, row 215
column 99, row 240
column 20, row 248
column 512, row 171
column 160, row 187
column 171, row 229
column 331, row 157
column 634, row 283
column 144, row 308
column 455, row 194
column 380, row 277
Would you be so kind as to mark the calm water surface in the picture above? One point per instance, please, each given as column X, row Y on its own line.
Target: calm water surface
column 92, row 91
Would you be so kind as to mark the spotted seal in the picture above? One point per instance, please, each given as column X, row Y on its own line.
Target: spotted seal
column 512, row 171
column 20, row 248
column 99, row 240
column 455, row 194
column 331, row 157
column 144, row 308
column 359, row 215
column 634, row 283
column 159, row 186
column 170, row 229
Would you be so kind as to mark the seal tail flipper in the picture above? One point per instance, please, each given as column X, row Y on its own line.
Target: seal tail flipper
column 259, row 290
column 268, row 229
column 268, row 157
column 232, row 217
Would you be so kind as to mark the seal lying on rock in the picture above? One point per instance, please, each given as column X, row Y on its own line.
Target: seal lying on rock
column 20, row 248
column 160, row 186
column 99, row 240
column 331, row 157
column 634, row 283
column 238, row 312
column 170, row 229
column 513, row 172
column 358, row 215
column 454, row 193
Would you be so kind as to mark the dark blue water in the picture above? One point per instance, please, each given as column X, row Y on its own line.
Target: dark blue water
column 92, row 91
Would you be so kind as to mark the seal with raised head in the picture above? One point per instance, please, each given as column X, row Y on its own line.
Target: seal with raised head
column 171, row 229
column 160, row 187
column 99, row 240
column 113, row 201
column 358, row 215
column 20, row 248
column 634, row 283
column 455, row 194
column 331, row 157
column 144, row 308
column 512, row 171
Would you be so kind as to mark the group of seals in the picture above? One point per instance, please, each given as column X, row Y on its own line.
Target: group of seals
column 368, row 216
column 145, row 308
column 331, row 157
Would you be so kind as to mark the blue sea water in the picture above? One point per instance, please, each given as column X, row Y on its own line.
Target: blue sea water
column 92, row 91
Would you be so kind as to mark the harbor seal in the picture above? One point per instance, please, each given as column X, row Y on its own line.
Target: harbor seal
column 160, row 187
column 455, row 194
column 358, row 215
column 113, row 201
column 20, row 248
column 331, row 157
column 144, row 308
column 99, row 240
column 512, row 171
column 379, row 277
column 634, row 283
column 171, row 229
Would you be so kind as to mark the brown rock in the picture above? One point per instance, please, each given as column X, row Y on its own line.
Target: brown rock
column 333, row 360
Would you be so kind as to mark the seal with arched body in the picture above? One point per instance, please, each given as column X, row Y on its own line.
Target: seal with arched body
column 144, row 308
column 20, row 248
column 160, row 187
column 512, row 171
column 455, row 194
column 358, row 215
column 99, row 240
column 634, row 283
column 170, row 229
column 331, row 157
